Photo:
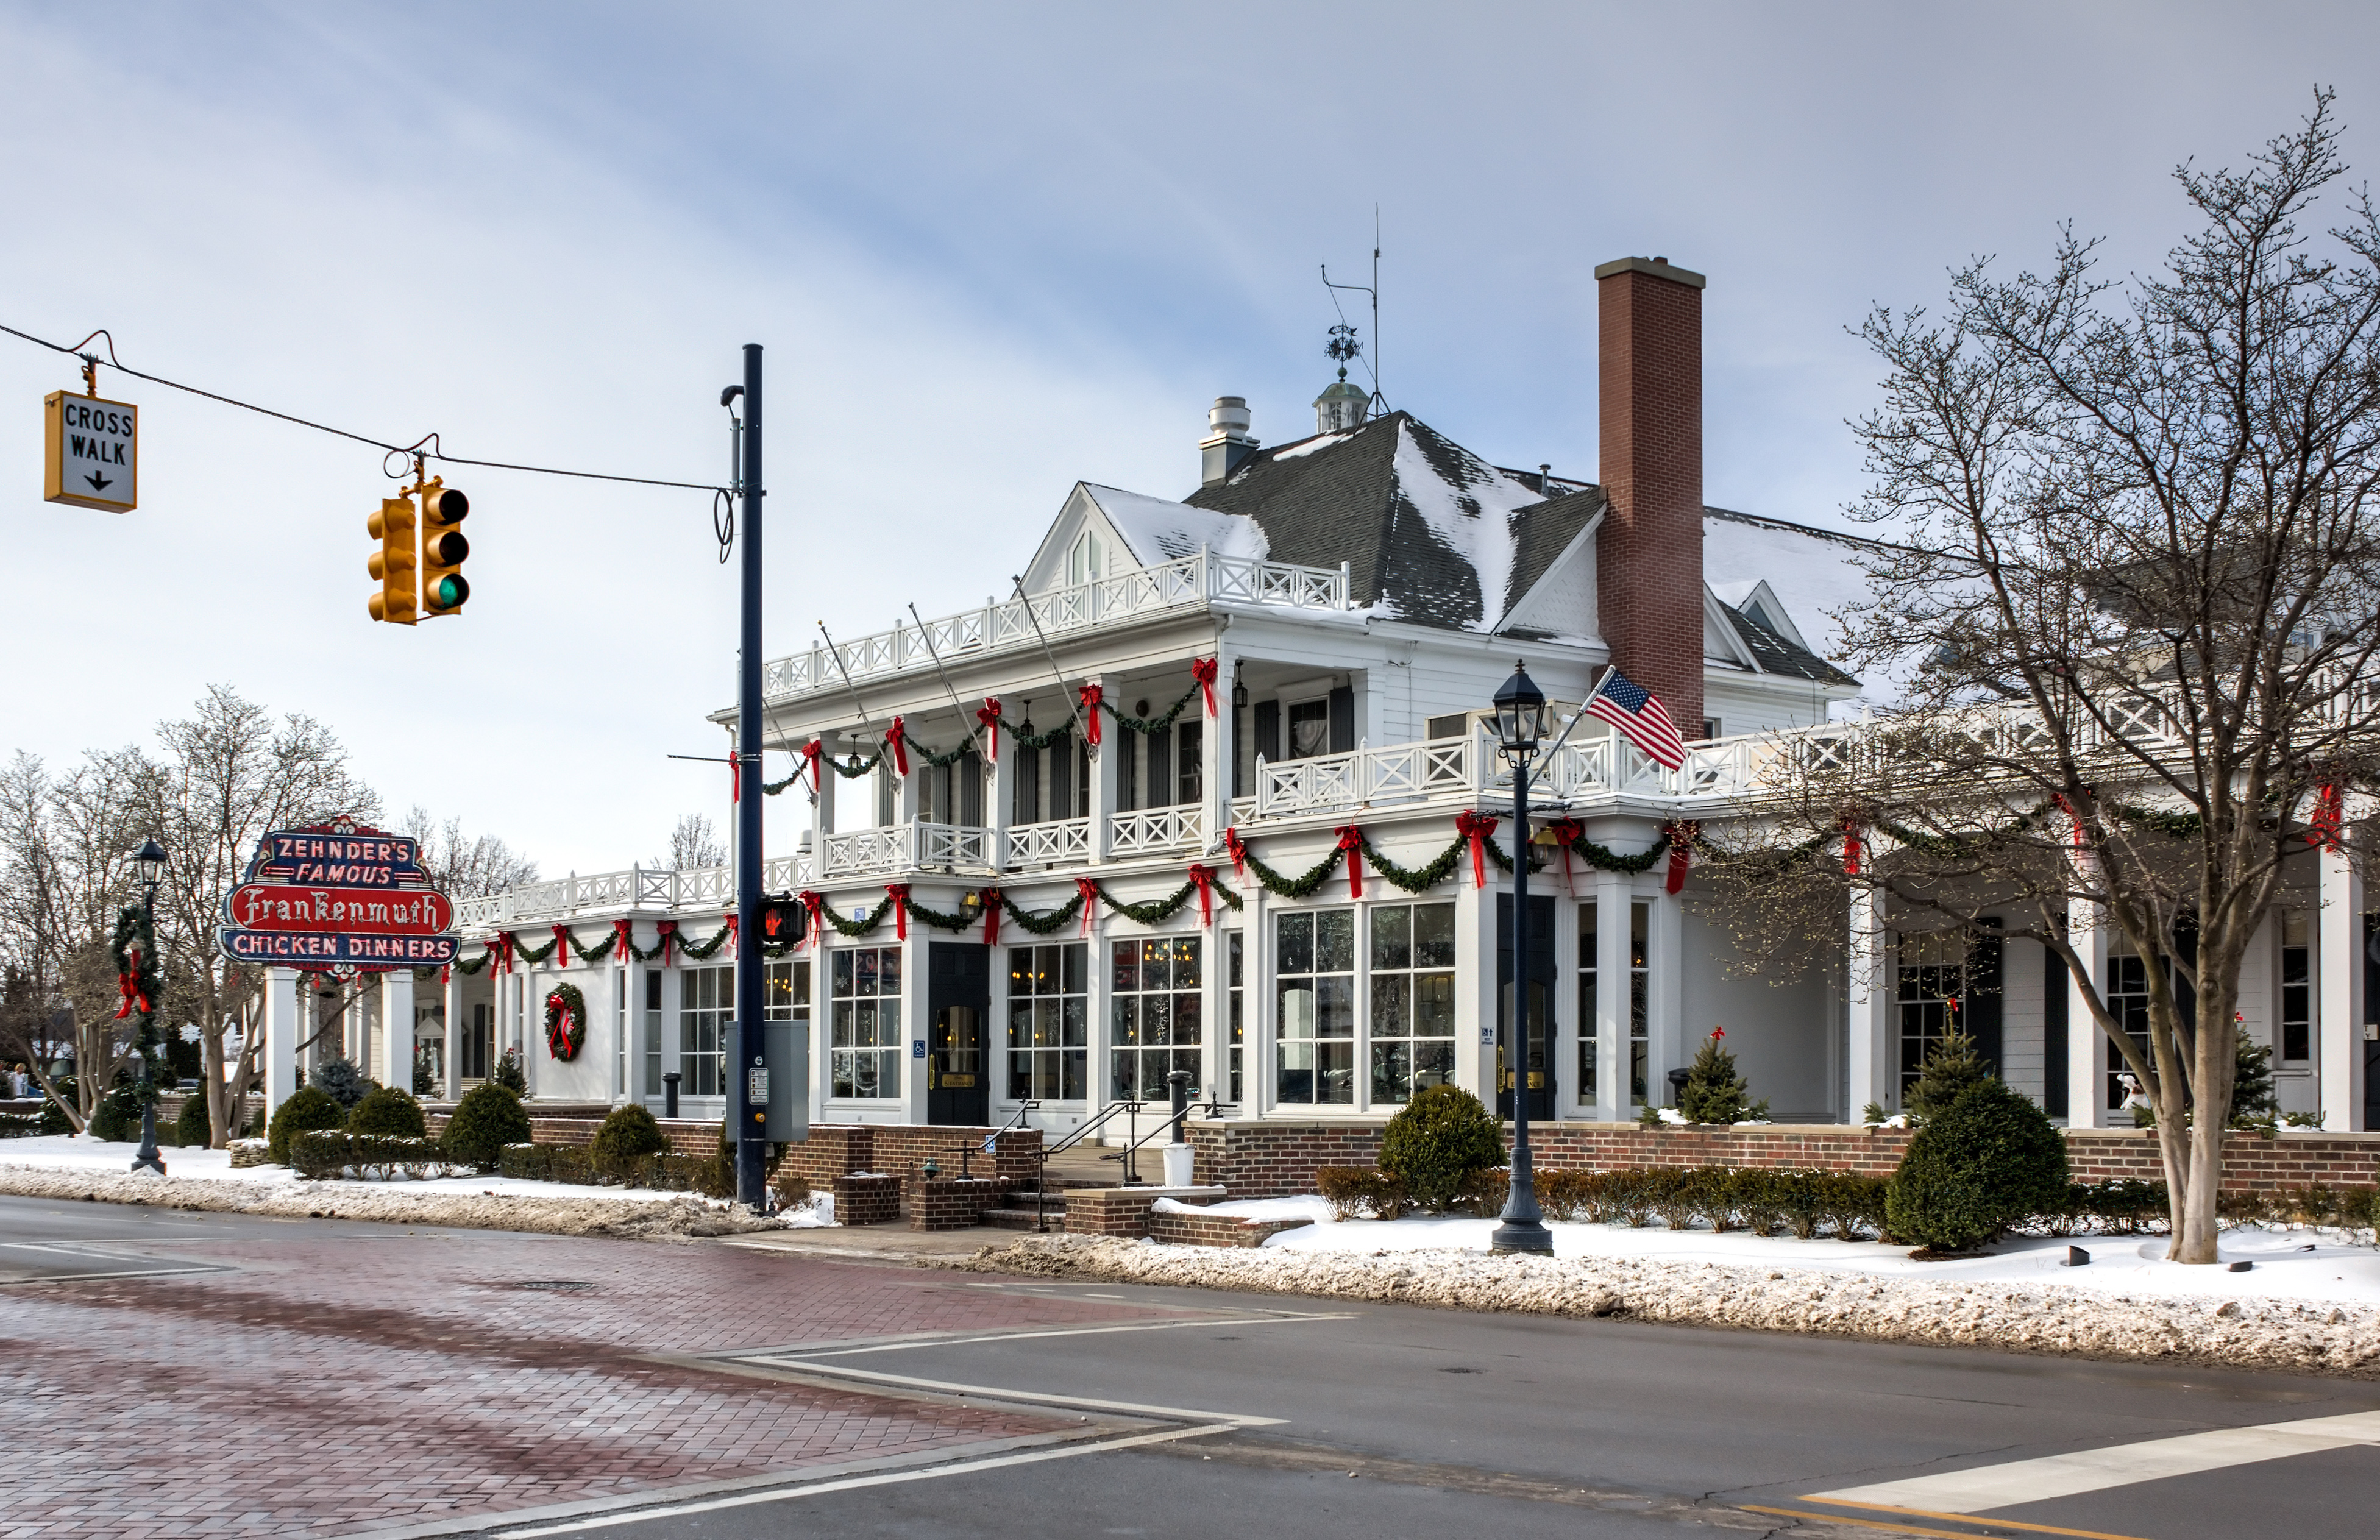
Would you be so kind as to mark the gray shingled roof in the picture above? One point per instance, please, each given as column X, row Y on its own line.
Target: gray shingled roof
column 1776, row 655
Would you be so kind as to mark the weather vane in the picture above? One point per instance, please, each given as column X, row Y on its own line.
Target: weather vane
column 1343, row 347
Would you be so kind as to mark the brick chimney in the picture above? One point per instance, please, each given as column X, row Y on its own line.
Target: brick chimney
column 1649, row 553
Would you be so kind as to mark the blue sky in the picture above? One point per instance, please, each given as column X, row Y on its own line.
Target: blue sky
column 991, row 250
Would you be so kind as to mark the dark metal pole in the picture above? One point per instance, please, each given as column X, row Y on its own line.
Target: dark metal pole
column 748, row 1095
column 147, row 1154
column 1522, row 1228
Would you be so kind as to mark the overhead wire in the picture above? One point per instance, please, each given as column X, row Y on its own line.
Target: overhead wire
column 409, row 449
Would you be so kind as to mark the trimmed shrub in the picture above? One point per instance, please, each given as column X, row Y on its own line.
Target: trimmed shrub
column 1360, row 1192
column 1714, row 1092
column 1950, row 1066
column 309, row 1107
column 487, row 1119
column 2252, row 1082
column 54, row 1117
column 328, row 1154
column 793, row 1190
column 629, row 1134
column 387, row 1110
column 526, row 1162
column 1438, row 1143
column 117, row 1119
column 193, row 1128
column 1987, row 1161
column 342, row 1082
column 508, row 1072
column 1849, row 1203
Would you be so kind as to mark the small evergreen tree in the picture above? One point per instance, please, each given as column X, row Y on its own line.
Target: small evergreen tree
column 342, row 1082
column 487, row 1119
column 1988, row 1160
column 117, row 1119
column 508, row 1072
column 2252, row 1085
column 192, row 1127
column 1714, row 1092
column 1951, row 1065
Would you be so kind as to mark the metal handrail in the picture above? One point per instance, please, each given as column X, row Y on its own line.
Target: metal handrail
column 989, row 1144
column 1041, row 1184
column 1165, row 1125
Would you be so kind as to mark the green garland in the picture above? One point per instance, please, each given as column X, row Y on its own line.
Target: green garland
column 133, row 948
column 937, row 919
column 849, row 928
column 1045, row 925
column 1150, row 725
column 1415, row 880
column 1156, row 910
column 1304, row 886
column 1605, row 859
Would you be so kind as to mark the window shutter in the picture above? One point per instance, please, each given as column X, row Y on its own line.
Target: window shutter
column 1342, row 720
column 1160, row 768
column 1269, row 729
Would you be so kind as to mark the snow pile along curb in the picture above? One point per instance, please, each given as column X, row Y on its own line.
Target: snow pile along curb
column 2261, row 1334
column 662, row 1216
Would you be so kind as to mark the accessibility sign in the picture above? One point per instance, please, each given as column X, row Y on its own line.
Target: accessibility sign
column 91, row 452
column 338, row 895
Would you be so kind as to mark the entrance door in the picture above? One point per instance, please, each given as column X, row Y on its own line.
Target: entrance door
column 1541, row 1010
column 958, row 1007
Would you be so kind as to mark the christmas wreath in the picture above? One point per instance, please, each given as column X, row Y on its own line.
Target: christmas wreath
column 566, row 1021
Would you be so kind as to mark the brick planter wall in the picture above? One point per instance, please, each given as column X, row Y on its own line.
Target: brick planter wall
column 687, row 1135
column 902, row 1149
column 1266, row 1161
column 1214, row 1230
column 949, row 1203
column 864, row 1200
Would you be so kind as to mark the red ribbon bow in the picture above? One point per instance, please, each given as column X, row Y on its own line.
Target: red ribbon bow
column 734, row 777
column 1239, row 850
column 1476, row 827
column 1351, row 840
column 2072, row 817
column 733, row 944
column 814, row 905
column 1088, row 890
column 1204, row 671
column 503, row 949
column 812, row 752
column 899, row 893
column 623, row 941
column 991, row 916
column 1205, row 881
column 668, row 932
column 897, row 739
column 1682, row 850
column 561, row 946
column 1851, row 848
column 987, row 716
column 128, row 984
column 2329, row 810
column 445, row 977
column 1092, row 694
column 1566, row 833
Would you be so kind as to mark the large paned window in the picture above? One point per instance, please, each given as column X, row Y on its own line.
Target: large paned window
column 1309, row 729
column 1157, row 1016
column 1589, row 1034
column 1049, row 1022
column 2127, row 994
column 1412, row 999
column 2297, row 986
column 1234, row 945
column 864, row 1047
column 1314, row 1000
column 1931, row 996
column 1190, row 763
column 652, row 1032
column 785, row 992
column 1640, row 1002
column 706, row 1010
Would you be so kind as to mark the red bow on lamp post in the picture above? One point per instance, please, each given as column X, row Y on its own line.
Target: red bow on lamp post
column 1681, row 848
column 987, row 716
column 2329, row 811
column 1092, row 694
column 1566, row 833
column 735, row 777
column 896, row 738
column 1238, row 849
column 128, row 984
column 814, row 906
column 991, row 916
column 899, row 893
column 1204, row 669
column 1088, row 890
column 1351, row 840
column 1205, row 881
column 1477, row 827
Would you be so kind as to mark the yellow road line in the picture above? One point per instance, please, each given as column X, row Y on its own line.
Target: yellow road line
column 1966, row 1519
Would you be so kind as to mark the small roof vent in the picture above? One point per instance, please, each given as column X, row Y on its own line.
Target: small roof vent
column 1227, row 442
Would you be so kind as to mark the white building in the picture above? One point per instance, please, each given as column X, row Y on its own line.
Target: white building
column 1360, row 592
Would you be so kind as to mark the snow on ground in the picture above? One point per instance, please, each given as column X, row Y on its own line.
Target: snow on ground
column 65, row 1152
column 2288, row 1264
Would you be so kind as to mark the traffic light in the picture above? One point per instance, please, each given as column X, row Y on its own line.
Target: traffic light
column 393, row 563
column 443, row 587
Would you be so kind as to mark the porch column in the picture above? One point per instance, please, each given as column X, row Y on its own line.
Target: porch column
column 397, row 1029
column 1666, row 992
column 1868, row 1069
column 2339, row 1049
column 454, row 1055
column 2087, row 1048
column 1256, row 1005
column 822, row 810
column 1615, row 898
column 1104, row 759
column 282, row 1030
column 671, row 1036
column 1475, row 987
column 1216, row 751
column 916, row 1025
column 1098, row 1005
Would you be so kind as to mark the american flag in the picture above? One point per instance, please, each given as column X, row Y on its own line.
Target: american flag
column 1636, row 712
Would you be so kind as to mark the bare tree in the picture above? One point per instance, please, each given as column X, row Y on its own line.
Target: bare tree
column 2140, row 568
column 693, row 845
column 466, row 868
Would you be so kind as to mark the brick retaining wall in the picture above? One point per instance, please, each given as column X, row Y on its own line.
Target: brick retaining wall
column 949, row 1203
column 1264, row 1160
column 863, row 1200
column 903, row 1149
column 1214, row 1230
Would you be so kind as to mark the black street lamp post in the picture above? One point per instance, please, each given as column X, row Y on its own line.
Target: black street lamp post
column 1520, row 728
column 149, row 862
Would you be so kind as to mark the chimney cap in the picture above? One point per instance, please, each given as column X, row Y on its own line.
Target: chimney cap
column 1655, row 267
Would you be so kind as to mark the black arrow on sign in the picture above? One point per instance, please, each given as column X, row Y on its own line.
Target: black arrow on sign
column 98, row 483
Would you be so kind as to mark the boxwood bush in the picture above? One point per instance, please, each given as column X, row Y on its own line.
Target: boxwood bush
column 1438, row 1144
column 487, row 1119
column 387, row 1110
column 1987, row 1161
column 193, row 1128
column 328, row 1154
column 309, row 1107
column 629, row 1134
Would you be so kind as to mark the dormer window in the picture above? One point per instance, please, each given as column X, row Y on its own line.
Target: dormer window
column 1086, row 562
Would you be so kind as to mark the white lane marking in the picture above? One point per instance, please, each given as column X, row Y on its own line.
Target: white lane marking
column 2061, row 1476
column 1001, row 1393
column 746, row 1499
column 1079, row 1331
column 76, row 1277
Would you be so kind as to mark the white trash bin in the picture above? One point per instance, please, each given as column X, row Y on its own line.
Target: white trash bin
column 1177, row 1165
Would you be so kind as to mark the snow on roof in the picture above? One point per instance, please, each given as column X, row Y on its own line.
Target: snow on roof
column 1319, row 442
column 1159, row 531
column 1814, row 574
column 1473, row 518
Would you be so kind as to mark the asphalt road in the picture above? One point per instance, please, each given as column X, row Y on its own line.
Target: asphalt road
column 1316, row 1418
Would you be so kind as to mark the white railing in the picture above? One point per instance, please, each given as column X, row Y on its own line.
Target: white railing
column 1193, row 579
column 1155, row 829
column 908, row 847
column 704, row 888
column 1064, row 843
column 1367, row 778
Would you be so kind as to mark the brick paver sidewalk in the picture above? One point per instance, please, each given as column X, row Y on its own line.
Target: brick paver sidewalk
column 332, row 1386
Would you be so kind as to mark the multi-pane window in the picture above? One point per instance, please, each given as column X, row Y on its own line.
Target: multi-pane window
column 706, row 1012
column 1640, row 1002
column 785, row 989
column 1931, row 996
column 2297, row 986
column 1157, row 1015
column 652, row 1032
column 864, row 1032
column 1234, row 947
column 2127, row 996
column 1049, row 1022
column 1316, row 1003
column 1412, row 999
column 1190, row 763
column 1590, row 1038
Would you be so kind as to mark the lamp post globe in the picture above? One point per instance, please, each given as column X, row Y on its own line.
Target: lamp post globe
column 1520, row 729
column 149, row 866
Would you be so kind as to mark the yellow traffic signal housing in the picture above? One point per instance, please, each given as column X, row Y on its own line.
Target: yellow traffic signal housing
column 443, row 587
column 394, row 563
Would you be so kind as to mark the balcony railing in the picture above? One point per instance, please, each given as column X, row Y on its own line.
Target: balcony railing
column 1066, row 842
column 909, row 847
column 706, row 889
column 1367, row 778
column 1190, row 580
column 1154, row 831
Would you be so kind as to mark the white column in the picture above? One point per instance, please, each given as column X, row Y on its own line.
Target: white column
column 1104, row 761
column 1475, row 992
column 1869, row 1073
column 1613, row 894
column 1098, row 1006
column 283, row 1027
column 673, row 1038
column 2338, row 1046
column 1216, row 749
column 396, row 1029
column 1257, row 1005
column 2087, row 1049
column 455, row 1029
column 916, row 1027
column 999, row 784
column 822, row 810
